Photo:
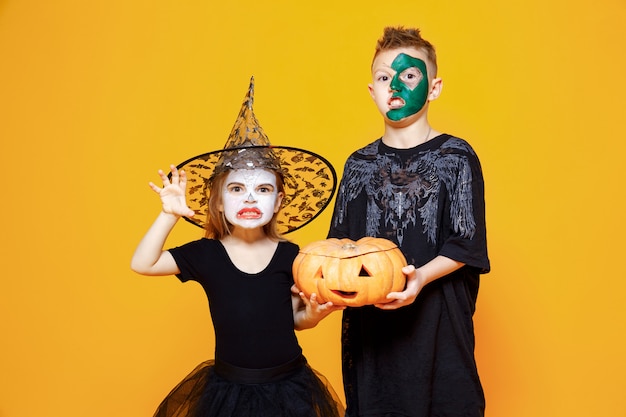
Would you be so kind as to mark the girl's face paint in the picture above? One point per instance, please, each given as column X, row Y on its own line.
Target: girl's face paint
column 250, row 197
column 409, row 85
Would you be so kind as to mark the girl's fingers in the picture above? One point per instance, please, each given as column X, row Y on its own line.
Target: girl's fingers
column 164, row 178
column 178, row 177
column 155, row 188
column 174, row 172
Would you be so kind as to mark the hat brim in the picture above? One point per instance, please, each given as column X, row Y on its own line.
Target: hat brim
column 310, row 182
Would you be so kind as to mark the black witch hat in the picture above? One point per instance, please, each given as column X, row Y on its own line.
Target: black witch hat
column 309, row 179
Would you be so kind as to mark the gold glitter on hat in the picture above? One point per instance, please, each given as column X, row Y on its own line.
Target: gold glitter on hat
column 247, row 147
column 309, row 179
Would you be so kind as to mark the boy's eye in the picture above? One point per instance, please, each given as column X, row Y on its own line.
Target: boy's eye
column 411, row 77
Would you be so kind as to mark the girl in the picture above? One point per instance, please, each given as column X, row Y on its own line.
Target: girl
column 244, row 266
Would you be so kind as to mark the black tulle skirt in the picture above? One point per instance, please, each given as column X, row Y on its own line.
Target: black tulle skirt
column 217, row 389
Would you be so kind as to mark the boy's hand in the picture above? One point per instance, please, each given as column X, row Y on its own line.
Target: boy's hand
column 173, row 193
column 406, row 297
column 417, row 278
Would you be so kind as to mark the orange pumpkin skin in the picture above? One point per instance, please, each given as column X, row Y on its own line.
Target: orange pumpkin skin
column 350, row 273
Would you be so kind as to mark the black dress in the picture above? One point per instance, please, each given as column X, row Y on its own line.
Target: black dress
column 416, row 361
column 259, row 369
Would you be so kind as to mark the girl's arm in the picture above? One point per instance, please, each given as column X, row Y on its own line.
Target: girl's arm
column 149, row 257
column 307, row 312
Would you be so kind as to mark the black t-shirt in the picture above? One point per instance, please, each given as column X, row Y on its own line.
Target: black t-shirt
column 418, row 360
column 252, row 313
column 429, row 200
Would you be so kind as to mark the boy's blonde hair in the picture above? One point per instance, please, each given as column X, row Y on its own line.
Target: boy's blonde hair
column 401, row 37
column 217, row 226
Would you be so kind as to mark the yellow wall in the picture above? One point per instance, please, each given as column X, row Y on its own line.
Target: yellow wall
column 95, row 96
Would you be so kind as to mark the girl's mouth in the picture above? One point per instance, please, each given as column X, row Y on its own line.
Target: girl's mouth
column 249, row 213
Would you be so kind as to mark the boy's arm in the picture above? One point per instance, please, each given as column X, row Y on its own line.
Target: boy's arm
column 149, row 257
column 307, row 312
column 417, row 278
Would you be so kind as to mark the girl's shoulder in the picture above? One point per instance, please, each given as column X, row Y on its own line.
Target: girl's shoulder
column 288, row 246
column 199, row 244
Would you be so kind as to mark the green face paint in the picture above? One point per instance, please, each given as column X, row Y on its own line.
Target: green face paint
column 414, row 96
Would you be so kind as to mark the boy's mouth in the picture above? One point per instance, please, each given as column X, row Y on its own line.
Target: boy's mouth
column 249, row 213
column 395, row 103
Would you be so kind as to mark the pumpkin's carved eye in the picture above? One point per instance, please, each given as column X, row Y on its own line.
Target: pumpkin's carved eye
column 364, row 272
column 319, row 274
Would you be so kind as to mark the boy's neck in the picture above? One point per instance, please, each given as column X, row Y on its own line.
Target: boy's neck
column 410, row 136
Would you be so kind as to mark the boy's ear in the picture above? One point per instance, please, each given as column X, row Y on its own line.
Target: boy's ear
column 435, row 89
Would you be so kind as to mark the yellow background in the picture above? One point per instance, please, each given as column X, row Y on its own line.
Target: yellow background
column 95, row 96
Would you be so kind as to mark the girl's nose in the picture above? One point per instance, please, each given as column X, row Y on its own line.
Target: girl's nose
column 250, row 198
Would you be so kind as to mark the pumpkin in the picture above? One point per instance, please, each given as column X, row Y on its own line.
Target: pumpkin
column 350, row 273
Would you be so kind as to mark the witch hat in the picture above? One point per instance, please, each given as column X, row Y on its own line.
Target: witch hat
column 309, row 179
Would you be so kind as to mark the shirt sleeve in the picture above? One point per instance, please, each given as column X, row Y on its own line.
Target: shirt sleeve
column 188, row 257
column 350, row 199
column 467, row 241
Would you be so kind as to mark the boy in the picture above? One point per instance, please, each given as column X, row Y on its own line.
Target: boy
column 423, row 190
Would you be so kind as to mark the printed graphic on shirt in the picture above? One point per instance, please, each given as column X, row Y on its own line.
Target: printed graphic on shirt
column 401, row 194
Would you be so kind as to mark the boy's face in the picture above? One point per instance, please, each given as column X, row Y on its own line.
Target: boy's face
column 250, row 197
column 400, row 85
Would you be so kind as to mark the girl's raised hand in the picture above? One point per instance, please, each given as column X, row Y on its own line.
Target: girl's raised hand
column 173, row 192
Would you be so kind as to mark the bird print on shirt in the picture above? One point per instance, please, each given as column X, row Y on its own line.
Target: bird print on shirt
column 401, row 193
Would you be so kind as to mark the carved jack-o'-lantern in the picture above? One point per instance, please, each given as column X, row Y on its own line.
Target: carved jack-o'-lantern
column 350, row 273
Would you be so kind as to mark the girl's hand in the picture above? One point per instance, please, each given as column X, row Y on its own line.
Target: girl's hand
column 310, row 311
column 173, row 193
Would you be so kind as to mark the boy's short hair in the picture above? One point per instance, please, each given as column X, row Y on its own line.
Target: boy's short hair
column 400, row 37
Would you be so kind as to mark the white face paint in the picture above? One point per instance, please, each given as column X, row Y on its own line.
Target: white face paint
column 250, row 197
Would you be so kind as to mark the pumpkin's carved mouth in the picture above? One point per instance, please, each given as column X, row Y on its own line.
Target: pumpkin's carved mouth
column 345, row 294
